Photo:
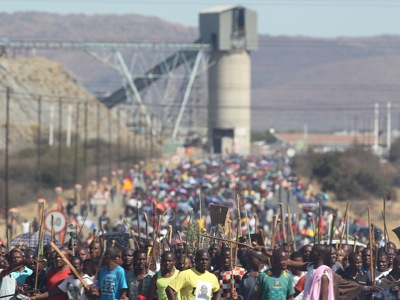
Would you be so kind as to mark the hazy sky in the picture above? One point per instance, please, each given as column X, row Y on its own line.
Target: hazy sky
column 318, row 18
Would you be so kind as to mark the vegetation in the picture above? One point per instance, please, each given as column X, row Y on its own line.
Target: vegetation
column 352, row 174
column 27, row 182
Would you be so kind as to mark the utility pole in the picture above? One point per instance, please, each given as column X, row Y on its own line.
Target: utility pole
column 59, row 141
column 6, row 174
column 76, row 144
column 39, row 137
column 376, row 128
column 98, row 143
column 389, row 127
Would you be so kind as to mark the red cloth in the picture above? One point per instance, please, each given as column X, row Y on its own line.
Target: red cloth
column 300, row 284
column 54, row 278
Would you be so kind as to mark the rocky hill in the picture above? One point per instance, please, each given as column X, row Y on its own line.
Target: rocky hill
column 328, row 84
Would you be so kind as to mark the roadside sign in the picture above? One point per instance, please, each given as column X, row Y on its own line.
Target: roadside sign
column 99, row 198
column 60, row 221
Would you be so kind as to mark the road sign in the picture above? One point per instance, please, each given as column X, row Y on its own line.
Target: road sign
column 60, row 221
column 99, row 198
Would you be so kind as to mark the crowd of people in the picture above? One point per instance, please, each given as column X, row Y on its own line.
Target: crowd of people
column 182, row 253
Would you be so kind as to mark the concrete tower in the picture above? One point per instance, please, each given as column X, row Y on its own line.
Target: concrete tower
column 232, row 31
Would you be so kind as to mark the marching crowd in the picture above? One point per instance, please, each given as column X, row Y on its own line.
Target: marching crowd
column 150, row 271
column 204, row 261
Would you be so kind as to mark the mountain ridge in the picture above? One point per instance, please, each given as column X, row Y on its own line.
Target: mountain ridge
column 326, row 83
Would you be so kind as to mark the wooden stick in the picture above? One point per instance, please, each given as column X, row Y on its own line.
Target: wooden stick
column 371, row 245
column 290, row 229
column 199, row 194
column 332, row 229
column 231, row 260
column 40, row 233
column 225, row 240
column 276, row 221
column 256, row 223
column 282, row 222
column 355, row 243
column 132, row 240
column 373, row 258
column 147, row 224
column 53, row 238
column 296, row 219
column 239, row 225
column 73, row 270
column 344, row 225
column 319, row 222
column 248, row 227
column 138, row 222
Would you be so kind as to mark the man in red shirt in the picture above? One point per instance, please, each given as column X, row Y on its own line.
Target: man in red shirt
column 54, row 278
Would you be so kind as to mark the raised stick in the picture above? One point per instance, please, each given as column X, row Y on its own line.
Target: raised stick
column 138, row 222
column 147, row 224
column 256, row 223
column 231, row 261
column 276, row 221
column 282, row 222
column 53, row 237
column 73, row 270
column 370, row 226
column 319, row 222
column 344, row 225
column 226, row 240
column 238, row 224
column 41, row 213
column 290, row 228
column 332, row 233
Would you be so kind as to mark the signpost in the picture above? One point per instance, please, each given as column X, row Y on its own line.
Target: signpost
column 60, row 222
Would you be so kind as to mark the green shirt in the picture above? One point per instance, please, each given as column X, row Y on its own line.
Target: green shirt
column 270, row 286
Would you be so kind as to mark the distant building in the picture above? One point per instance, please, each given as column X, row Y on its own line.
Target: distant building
column 321, row 142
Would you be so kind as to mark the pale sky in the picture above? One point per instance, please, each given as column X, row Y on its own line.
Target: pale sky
column 316, row 18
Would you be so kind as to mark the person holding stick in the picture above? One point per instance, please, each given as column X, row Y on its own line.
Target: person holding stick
column 111, row 280
column 226, row 273
column 55, row 277
column 72, row 285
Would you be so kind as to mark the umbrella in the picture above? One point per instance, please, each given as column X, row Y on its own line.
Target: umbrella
column 397, row 232
column 163, row 186
column 31, row 240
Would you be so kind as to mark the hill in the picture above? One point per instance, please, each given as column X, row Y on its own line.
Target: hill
column 328, row 84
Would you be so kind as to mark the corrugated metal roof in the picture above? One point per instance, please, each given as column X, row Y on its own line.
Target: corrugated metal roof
column 219, row 9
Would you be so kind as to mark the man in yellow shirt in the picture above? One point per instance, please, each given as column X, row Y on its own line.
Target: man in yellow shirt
column 195, row 283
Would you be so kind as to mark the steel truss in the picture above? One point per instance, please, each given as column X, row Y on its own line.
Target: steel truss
column 157, row 78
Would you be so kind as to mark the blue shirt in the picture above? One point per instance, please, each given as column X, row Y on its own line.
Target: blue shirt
column 110, row 283
column 21, row 277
